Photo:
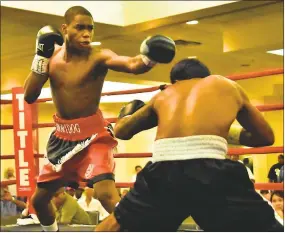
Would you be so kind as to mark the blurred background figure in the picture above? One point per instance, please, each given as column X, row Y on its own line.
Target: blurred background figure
column 274, row 171
column 11, row 205
column 9, row 174
column 138, row 168
column 277, row 200
column 250, row 175
column 266, row 194
column 70, row 191
column 78, row 193
column 124, row 192
column 247, row 164
column 88, row 203
column 67, row 210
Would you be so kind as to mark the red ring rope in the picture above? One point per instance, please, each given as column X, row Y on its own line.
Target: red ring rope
column 262, row 108
column 231, row 151
column 259, row 186
column 154, row 88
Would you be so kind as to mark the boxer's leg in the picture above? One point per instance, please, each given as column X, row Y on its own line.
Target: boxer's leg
column 107, row 194
column 97, row 167
column 41, row 201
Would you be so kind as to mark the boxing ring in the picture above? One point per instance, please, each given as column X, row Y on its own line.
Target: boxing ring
column 25, row 119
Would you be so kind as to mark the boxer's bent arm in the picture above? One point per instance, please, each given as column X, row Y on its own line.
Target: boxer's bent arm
column 143, row 119
column 33, row 86
column 125, row 64
column 257, row 132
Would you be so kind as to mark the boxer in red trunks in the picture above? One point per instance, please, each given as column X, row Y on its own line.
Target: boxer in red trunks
column 80, row 147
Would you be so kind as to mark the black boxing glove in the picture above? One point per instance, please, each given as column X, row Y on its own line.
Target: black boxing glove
column 130, row 108
column 157, row 49
column 46, row 38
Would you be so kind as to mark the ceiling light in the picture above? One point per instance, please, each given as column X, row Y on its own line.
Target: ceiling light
column 277, row 52
column 95, row 43
column 192, row 22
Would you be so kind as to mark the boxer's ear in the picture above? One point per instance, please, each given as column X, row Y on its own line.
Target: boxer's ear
column 64, row 28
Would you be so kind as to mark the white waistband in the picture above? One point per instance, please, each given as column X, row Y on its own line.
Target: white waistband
column 192, row 147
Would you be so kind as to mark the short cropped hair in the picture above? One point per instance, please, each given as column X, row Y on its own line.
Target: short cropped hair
column 187, row 69
column 73, row 11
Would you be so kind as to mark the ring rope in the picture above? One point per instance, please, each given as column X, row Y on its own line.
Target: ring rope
column 231, row 151
column 259, row 186
column 154, row 88
column 262, row 108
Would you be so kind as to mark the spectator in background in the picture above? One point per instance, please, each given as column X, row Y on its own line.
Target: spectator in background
column 11, row 205
column 9, row 174
column 281, row 175
column 277, row 200
column 78, row 193
column 89, row 203
column 138, row 168
column 266, row 194
column 125, row 191
column 274, row 171
column 67, row 210
column 250, row 175
column 246, row 163
column 70, row 191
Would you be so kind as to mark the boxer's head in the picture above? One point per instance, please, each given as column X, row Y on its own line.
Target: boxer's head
column 78, row 28
column 187, row 69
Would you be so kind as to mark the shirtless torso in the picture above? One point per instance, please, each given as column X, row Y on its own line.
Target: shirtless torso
column 76, row 84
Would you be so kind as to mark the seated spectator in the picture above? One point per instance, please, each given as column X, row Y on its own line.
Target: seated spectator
column 266, row 194
column 247, row 164
column 250, row 175
column 11, row 205
column 89, row 203
column 280, row 178
column 9, row 174
column 67, row 209
column 125, row 191
column 138, row 168
column 277, row 200
column 78, row 193
column 70, row 191
column 274, row 171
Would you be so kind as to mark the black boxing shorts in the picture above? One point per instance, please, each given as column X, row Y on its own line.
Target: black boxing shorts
column 190, row 177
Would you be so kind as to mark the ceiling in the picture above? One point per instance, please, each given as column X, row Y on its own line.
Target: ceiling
column 234, row 39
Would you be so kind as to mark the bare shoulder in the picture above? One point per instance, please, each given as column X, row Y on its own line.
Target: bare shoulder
column 101, row 54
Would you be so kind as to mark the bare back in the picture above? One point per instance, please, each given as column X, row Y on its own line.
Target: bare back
column 76, row 84
column 205, row 106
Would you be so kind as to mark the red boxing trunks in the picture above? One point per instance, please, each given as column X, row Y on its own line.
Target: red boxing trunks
column 79, row 150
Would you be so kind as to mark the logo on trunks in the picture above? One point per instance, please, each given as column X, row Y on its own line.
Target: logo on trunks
column 89, row 171
column 68, row 128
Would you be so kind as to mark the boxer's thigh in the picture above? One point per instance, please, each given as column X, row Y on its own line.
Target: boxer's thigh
column 97, row 163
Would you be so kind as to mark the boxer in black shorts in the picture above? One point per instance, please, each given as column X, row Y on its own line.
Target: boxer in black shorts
column 189, row 173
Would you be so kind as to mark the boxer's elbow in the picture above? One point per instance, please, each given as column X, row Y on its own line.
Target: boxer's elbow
column 122, row 133
column 30, row 98
column 269, row 139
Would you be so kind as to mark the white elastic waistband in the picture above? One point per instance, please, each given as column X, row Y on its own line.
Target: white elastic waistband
column 192, row 147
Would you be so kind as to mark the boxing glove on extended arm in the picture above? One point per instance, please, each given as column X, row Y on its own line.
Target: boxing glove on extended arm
column 46, row 38
column 130, row 108
column 157, row 49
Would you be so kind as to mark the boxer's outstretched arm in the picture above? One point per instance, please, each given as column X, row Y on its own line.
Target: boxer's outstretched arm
column 143, row 119
column 257, row 131
column 125, row 64
column 33, row 86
